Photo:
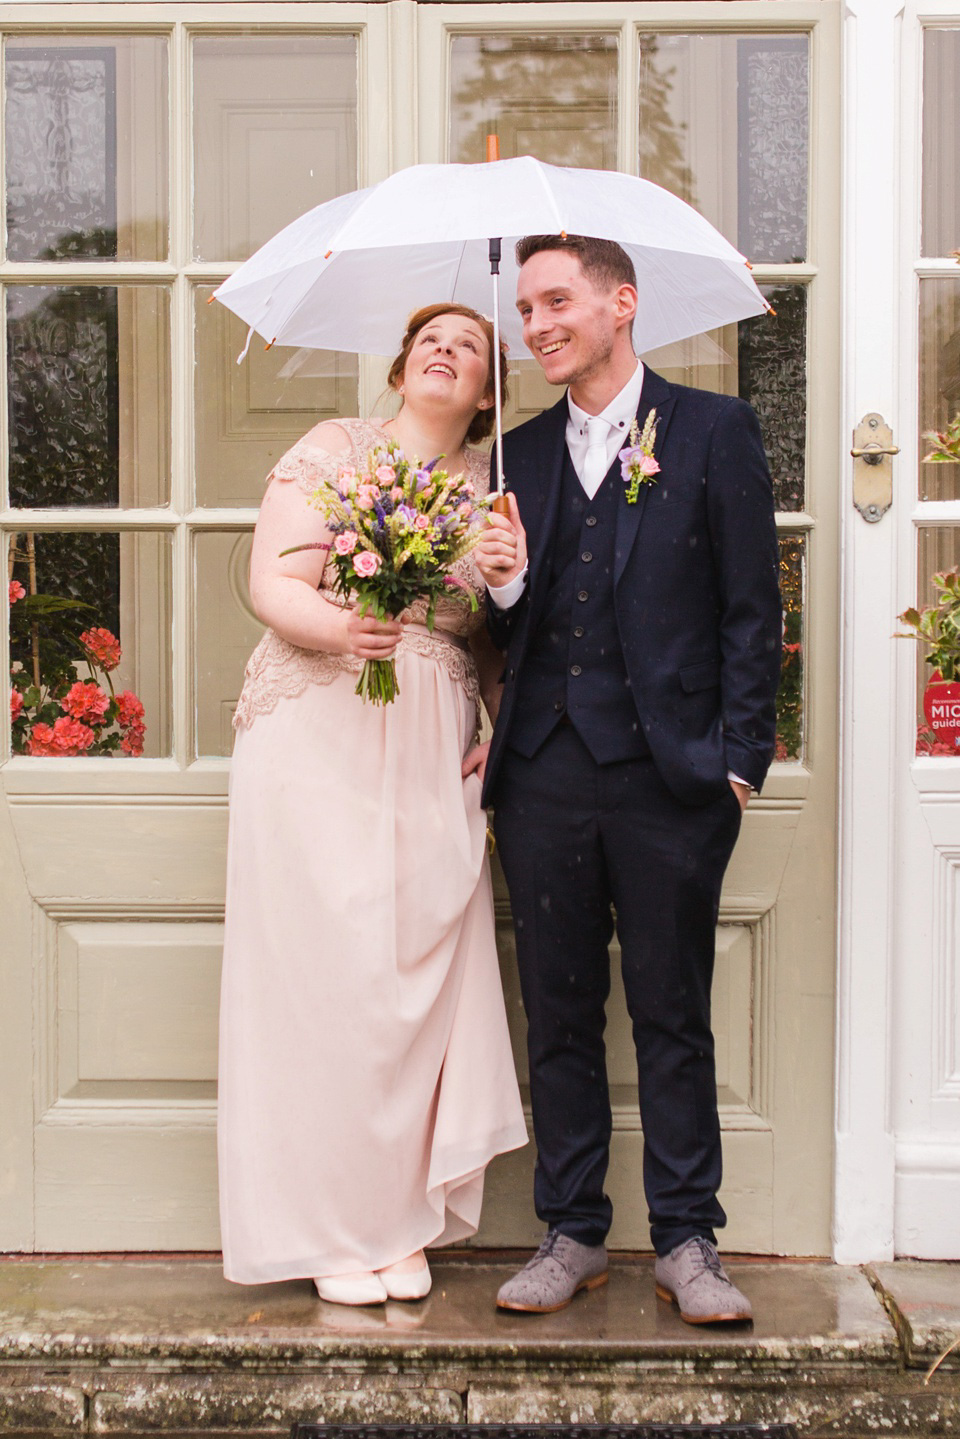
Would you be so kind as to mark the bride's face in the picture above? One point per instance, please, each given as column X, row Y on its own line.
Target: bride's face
column 448, row 363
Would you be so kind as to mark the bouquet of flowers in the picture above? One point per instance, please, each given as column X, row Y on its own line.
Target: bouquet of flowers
column 398, row 528
column 57, row 713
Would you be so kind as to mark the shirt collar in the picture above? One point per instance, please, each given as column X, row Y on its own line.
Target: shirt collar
column 621, row 409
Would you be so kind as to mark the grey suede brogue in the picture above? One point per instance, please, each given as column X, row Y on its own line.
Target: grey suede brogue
column 559, row 1269
column 692, row 1277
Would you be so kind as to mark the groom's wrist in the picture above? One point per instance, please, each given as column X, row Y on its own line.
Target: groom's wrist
column 506, row 596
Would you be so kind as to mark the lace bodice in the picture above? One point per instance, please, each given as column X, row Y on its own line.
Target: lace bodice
column 278, row 669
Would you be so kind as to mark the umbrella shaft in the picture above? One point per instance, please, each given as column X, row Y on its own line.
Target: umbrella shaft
column 498, row 408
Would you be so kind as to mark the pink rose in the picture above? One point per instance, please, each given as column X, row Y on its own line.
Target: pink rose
column 386, row 474
column 16, row 704
column 422, row 522
column 346, row 480
column 366, row 564
column 466, row 509
column 396, row 494
column 16, row 591
column 647, row 465
column 365, row 497
column 346, row 543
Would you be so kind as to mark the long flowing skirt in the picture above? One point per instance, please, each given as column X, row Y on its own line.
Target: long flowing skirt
column 366, row 1076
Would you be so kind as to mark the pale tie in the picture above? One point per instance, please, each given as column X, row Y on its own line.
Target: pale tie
column 595, row 464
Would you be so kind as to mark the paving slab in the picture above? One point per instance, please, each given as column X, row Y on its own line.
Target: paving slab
column 186, row 1310
column 924, row 1300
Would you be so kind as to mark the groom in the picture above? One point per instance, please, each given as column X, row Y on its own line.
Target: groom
column 641, row 626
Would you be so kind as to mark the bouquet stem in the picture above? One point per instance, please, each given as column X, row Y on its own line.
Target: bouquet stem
column 378, row 682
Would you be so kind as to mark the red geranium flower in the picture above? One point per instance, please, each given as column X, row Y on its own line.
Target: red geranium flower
column 16, row 704
column 129, row 709
column 86, row 701
column 102, row 647
column 132, row 741
column 16, row 591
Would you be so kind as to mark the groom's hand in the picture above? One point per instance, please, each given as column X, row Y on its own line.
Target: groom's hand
column 501, row 553
column 742, row 791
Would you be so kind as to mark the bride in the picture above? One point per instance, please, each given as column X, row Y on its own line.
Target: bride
column 366, row 1078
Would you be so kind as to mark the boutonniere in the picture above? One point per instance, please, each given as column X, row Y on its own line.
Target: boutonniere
column 637, row 465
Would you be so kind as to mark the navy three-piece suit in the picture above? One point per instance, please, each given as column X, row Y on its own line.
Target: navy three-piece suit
column 641, row 667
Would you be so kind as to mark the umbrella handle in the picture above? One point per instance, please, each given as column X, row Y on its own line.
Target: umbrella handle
column 501, row 505
column 494, row 252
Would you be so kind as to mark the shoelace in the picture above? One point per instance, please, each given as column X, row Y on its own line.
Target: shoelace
column 709, row 1257
column 547, row 1246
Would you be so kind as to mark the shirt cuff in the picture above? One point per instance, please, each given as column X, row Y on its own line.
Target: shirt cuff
column 506, row 596
column 737, row 780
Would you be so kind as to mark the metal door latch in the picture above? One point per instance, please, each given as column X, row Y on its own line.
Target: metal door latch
column 873, row 452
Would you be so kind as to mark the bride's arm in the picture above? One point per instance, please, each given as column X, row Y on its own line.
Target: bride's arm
column 284, row 590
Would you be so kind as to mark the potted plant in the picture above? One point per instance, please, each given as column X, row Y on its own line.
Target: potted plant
column 938, row 627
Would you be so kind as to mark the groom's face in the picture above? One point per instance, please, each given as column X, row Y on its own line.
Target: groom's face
column 569, row 324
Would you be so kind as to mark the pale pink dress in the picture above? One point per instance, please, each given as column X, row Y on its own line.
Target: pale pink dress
column 366, row 1075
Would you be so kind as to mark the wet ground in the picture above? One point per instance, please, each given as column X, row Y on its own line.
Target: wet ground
column 165, row 1345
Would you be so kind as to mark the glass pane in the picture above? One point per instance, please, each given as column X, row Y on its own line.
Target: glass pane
column 90, row 617
column 938, row 549
column 941, row 142
column 724, row 123
column 790, row 695
column 553, row 96
column 275, row 133
column 764, row 361
column 939, row 381
column 88, row 371
column 248, row 415
column 86, row 148
column 227, row 631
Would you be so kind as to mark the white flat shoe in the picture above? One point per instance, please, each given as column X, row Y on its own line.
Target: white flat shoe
column 407, row 1286
column 352, row 1289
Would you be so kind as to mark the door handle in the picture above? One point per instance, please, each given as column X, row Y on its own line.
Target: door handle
column 873, row 452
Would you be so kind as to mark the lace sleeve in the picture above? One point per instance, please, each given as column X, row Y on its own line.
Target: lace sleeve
column 308, row 465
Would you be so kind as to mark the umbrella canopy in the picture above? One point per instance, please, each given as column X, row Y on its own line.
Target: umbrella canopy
column 346, row 275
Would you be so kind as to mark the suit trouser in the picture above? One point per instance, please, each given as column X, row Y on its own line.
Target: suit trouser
column 576, row 838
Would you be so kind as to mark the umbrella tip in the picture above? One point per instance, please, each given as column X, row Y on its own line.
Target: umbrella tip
column 771, row 311
column 493, row 147
column 563, row 234
column 328, row 254
column 748, row 264
column 210, row 299
column 271, row 344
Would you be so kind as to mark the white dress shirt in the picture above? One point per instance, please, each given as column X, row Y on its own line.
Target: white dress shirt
column 617, row 416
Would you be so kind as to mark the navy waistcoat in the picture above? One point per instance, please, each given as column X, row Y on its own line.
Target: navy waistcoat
column 574, row 667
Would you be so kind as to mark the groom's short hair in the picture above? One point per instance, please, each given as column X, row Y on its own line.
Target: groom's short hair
column 604, row 262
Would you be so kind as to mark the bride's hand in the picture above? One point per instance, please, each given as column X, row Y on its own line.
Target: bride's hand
column 476, row 761
column 371, row 639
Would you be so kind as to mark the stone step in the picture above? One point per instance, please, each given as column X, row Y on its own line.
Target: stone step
column 166, row 1346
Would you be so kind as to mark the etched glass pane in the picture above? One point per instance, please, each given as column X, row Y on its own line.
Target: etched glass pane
column 724, row 123
column 86, row 148
column 941, row 142
column 275, row 133
column 88, row 398
column 227, row 631
column 764, row 361
column 790, row 695
column 939, row 383
column 553, row 96
column 90, row 618
column 248, row 415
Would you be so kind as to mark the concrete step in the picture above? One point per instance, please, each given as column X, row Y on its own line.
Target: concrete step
column 166, row 1346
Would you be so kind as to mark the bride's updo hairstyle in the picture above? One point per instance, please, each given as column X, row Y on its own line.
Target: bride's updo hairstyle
column 484, row 421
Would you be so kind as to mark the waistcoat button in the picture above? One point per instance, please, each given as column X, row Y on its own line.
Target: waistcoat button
column 576, row 670
column 583, row 596
column 558, row 706
column 591, row 520
column 578, row 632
column 586, row 557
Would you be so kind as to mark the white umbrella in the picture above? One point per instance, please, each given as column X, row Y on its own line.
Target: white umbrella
column 347, row 274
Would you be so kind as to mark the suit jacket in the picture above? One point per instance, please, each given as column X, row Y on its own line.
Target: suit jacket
column 696, row 590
